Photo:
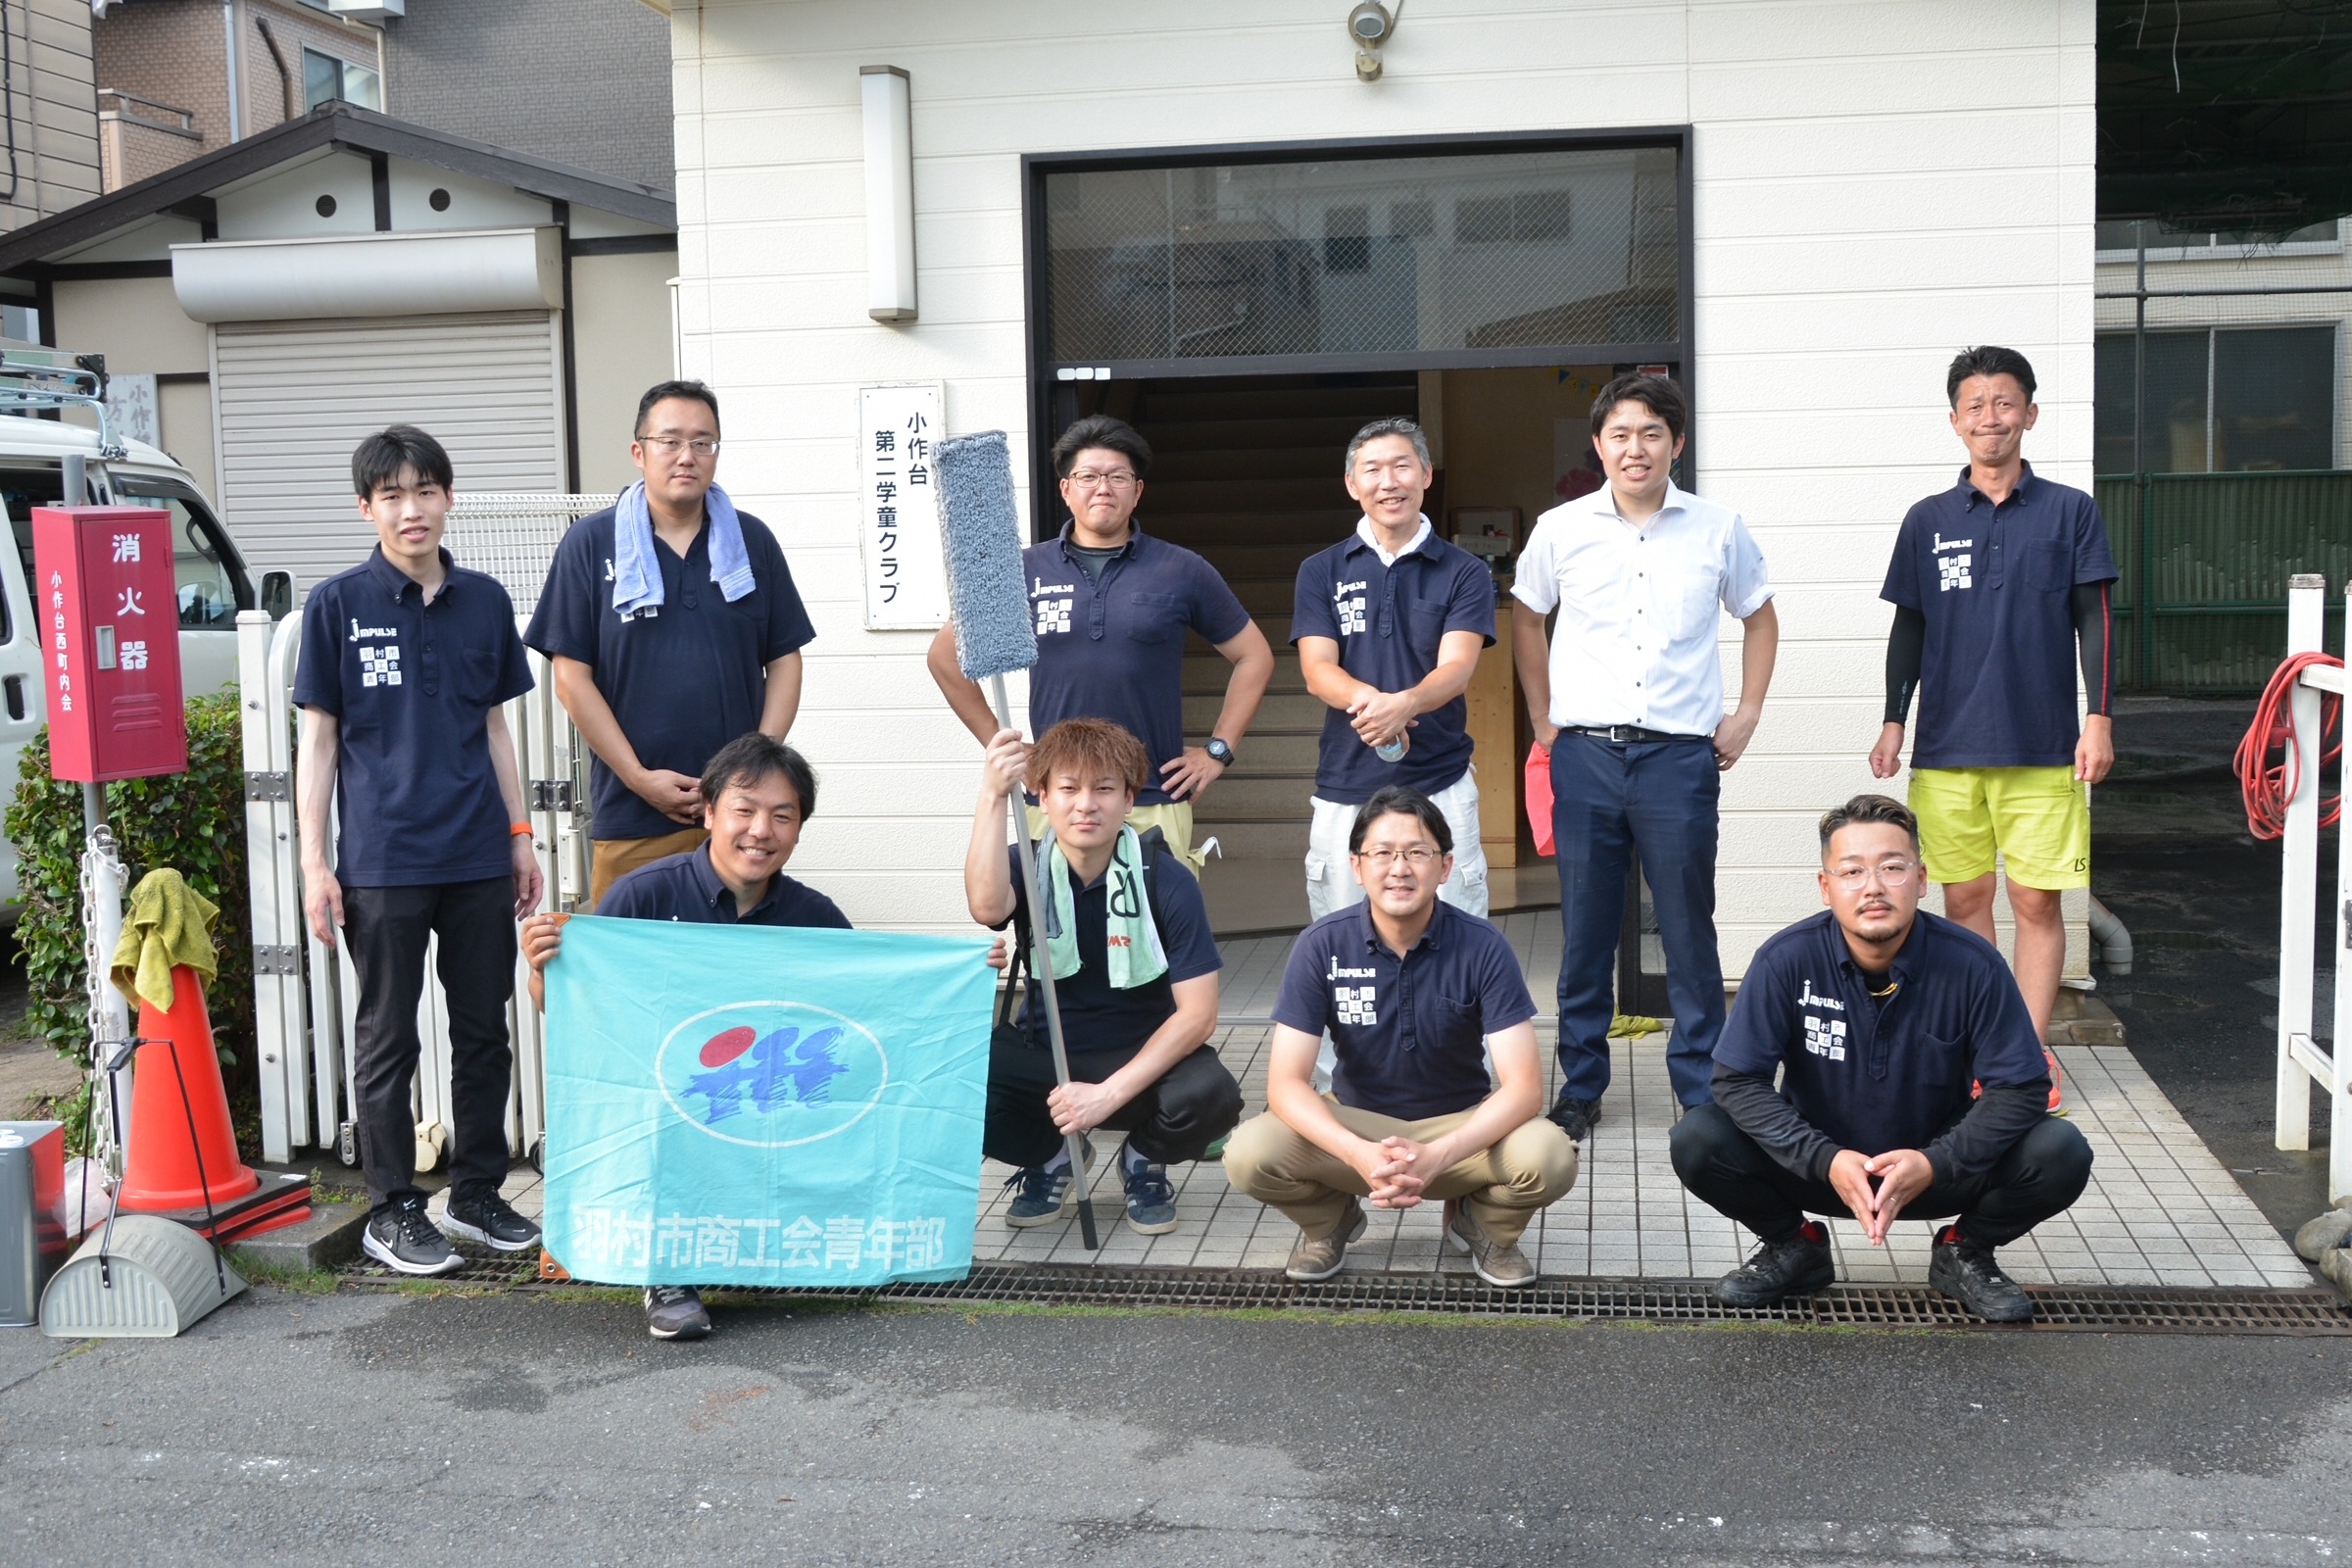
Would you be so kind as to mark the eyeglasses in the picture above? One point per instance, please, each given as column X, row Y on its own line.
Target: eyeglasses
column 1890, row 873
column 1419, row 855
column 668, row 445
column 1094, row 479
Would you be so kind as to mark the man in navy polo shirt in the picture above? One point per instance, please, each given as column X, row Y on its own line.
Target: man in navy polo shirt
column 674, row 626
column 405, row 660
column 1998, row 583
column 1388, row 624
column 758, row 794
column 1413, row 993
column 1111, row 606
column 1135, row 972
column 1879, row 1018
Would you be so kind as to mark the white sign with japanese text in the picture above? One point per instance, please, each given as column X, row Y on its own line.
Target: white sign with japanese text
column 899, row 537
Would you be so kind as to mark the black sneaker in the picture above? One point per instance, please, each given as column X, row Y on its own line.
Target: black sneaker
column 1797, row 1266
column 1577, row 1118
column 675, row 1312
column 404, row 1237
column 490, row 1220
column 1966, row 1273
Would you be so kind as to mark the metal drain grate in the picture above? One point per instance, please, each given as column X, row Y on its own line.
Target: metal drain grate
column 2104, row 1309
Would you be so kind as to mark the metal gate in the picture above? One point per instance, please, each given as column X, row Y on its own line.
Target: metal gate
column 306, row 994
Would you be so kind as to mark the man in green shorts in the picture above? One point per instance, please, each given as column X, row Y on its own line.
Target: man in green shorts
column 2000, row 587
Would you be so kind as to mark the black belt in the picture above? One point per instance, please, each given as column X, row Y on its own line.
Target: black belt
column 1626, row 734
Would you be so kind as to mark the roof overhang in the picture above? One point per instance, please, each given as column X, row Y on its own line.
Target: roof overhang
column 187, row 190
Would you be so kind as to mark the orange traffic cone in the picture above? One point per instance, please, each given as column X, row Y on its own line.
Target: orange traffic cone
column 182, row 1157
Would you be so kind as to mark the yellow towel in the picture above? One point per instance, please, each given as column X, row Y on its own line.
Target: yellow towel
column 168, row 923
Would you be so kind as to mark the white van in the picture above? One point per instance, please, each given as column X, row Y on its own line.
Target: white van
column 212, row 582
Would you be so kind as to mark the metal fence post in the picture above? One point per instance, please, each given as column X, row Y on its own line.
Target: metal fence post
column 2306, row 612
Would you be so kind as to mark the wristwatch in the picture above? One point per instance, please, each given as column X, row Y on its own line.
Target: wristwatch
column 1218, row 752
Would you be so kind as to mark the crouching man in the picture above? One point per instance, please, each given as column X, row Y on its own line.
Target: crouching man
column 1413, row 992
column 1879, row 1020
column 756, row 793
column 1135, row 969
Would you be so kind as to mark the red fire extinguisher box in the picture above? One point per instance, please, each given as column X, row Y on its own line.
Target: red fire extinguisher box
column 109, row 615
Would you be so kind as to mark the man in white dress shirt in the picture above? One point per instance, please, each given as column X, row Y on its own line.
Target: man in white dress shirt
column 1628, row 699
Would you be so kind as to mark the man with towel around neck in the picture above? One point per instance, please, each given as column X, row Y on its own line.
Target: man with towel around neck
column 1134, row 968
column 674, row 626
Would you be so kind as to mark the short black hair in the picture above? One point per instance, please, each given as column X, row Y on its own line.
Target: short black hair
column 381, row 460
column 748, row 758
column 1867, row 809
column 1396, row 800
column 661, row 391
column 1987, row 359
column 1655, row 393
column 1109, row 433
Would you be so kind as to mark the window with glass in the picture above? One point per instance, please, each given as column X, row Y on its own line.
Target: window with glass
column 1446, row 253
column 2220, row 399
column 210, row 579
column 326, row 78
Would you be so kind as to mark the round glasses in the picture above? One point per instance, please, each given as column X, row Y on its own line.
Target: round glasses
column 1890, row 873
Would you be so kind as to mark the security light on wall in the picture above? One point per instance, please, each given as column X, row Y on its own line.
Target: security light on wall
column 1371, row 25
column 889, row 193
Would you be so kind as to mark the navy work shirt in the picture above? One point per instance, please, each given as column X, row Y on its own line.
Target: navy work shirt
column 1389, row 622
column 682, row 680
column 1114, row 649
column 1409, row 1032
column 1873, row 1078
column 686, row 887
column 1095, row 1014
column 1997, row 686
column 411, row 685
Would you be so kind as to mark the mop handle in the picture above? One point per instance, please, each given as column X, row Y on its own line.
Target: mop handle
column 1040, row 965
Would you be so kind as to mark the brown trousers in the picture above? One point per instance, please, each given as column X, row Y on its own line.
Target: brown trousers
column 611, row 860
column 1503, row 1187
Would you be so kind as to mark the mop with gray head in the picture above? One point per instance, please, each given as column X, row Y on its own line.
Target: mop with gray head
column 980, row 528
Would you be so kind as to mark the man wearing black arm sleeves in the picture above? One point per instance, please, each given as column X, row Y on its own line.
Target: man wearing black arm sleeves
column 1881, row 1022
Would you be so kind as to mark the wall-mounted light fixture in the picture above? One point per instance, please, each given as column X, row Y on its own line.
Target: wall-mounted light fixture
column 1371, row 25
column 889, row 193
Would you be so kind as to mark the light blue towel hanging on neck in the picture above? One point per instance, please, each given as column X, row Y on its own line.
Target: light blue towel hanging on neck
column 637, row 573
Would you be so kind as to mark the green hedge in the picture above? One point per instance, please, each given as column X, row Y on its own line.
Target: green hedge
column 193, row 822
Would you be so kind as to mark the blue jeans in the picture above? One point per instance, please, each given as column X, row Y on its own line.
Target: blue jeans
column 1657, row 798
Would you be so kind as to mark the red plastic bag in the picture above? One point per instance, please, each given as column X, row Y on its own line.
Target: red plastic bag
column 1538, row 797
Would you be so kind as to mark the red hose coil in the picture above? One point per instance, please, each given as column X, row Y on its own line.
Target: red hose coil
column 2269, row 786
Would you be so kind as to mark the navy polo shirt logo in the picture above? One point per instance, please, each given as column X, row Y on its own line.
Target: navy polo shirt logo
column 378, row 666
column 1951, row 570
column 1053, row 614
column 1824, row 1037
column 1350, row 610
column 1354, row 1004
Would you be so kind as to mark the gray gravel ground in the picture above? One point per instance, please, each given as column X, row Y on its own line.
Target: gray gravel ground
column 381, row 1429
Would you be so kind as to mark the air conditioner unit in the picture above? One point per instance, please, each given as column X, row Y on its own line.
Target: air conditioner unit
column 367, row 10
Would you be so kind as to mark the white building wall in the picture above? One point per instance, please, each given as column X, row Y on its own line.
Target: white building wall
column 1878, row 184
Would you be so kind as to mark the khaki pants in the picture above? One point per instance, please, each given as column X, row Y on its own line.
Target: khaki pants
column 611, row 860
column 1502, row 1186
column 1173, row 819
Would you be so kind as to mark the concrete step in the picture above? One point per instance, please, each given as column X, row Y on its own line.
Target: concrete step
column 1280, row 405
column 1276, row 625
column 1309, row 529
column 1282, row 713
column 1255, row 841
column 1247, row 462
column 1269, row 797
column 1276, row 752
column 1292, row 491
column 1207, row 676
column 1253, row 563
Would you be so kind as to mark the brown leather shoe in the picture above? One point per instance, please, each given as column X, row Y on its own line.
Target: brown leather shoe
column 1497, row 1263
column 1318, row 1257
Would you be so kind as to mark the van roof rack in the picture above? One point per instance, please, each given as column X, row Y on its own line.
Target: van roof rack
column 36, row 380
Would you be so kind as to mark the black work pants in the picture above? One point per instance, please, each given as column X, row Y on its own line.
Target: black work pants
column 1194, row 1104
column 2042, row 1173
column 385, row 931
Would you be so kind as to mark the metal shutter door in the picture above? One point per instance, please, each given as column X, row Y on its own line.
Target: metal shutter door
column 293, row 398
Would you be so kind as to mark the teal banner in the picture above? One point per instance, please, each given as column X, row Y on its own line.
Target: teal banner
column 761, row 1107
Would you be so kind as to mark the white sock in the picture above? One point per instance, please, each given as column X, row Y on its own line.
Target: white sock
column 1060, row 1161
column 1133, row 1159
